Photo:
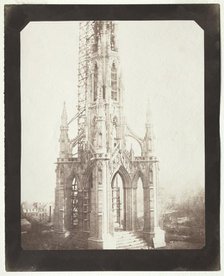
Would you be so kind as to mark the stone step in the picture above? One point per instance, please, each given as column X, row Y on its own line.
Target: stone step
column 134, row 246
column 132, row 241
column 129, row 240
column 125, row 235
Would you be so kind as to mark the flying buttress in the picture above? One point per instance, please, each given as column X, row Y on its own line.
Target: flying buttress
column 129, row 133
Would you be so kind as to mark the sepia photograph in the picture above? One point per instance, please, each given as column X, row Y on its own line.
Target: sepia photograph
column 112, row 137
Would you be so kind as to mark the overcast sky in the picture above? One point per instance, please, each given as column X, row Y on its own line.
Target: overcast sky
column 162, row 60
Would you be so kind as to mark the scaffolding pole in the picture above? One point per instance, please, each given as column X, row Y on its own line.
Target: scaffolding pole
column 86, row 37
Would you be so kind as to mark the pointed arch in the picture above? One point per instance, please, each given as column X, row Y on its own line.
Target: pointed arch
column 114, row 82
column 139, row 204
column 138, row 174
column 115, row 131
column 95, row 81
column 75, row 203
column 124, row 175
column 73, row 173
column 118, row 202
column 89, row 174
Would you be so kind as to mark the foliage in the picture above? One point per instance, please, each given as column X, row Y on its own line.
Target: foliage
column 184, row 219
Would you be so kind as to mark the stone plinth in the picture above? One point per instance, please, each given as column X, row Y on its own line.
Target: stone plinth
column 159, row 238
column 108, row 242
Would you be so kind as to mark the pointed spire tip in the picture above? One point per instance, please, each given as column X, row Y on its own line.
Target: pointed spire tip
column 64, row 116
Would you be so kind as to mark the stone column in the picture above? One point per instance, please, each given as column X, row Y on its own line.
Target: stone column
column 149, row 214
column 68, row 208
column 59, row 210
column 159, row 234
column 152, row 233
column 134, row 209
column 59, row 215
column 80, row 209
column 101, row 209
column 148, row 209
column 128, row 208
column 110, row 211
column 59, row 225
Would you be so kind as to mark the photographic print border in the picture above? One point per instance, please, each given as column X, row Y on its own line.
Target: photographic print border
column 207, row 16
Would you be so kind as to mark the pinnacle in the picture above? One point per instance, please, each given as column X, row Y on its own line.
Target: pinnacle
column 64, row 120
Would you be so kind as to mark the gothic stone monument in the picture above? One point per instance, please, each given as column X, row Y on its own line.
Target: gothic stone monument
column 87, row 197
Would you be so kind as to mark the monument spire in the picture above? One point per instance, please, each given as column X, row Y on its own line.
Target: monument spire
column 64, row 117
column 86, row 201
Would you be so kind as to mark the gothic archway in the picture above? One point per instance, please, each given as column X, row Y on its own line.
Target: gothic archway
column 139, row 205
column 87, row 184
column 138, row 185
column 122, row 195
column 75, row 204
column 79, row 200
column 118, row 207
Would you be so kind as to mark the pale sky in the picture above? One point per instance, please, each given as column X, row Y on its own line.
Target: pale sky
column 161, row 60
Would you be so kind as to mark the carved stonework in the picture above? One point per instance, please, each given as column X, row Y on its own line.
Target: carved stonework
column 87, row 180
column 115, row 163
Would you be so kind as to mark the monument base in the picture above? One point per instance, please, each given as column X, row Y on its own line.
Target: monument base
column 107, row 242
column 148, row 237
column 159, row 238
column 155, row 239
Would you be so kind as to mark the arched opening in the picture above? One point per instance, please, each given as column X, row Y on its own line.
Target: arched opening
column 140, row 205
column 81, row 203
column 95, row 81
column 114, row 82
column 86, row 202
column 115, row 131
column 118, row 202
column 112, row 38
column 75, row 204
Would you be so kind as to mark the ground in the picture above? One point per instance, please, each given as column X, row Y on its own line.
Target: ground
column 183, row 245
column 34, row 240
